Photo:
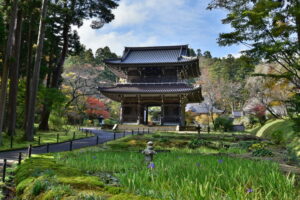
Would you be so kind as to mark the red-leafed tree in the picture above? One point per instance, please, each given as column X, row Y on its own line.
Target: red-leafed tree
column 259, row 111
column 96, row 108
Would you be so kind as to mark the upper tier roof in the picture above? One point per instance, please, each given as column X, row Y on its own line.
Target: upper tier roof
column 154, row 55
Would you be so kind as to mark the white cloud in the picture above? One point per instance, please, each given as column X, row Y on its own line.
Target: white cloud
column 137, row 17
column 115, row 40
column 129, row 14
column 157, row 22
column 239, row 53
column 132, row 12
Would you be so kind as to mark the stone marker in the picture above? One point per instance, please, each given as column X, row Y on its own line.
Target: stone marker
column 149, row 152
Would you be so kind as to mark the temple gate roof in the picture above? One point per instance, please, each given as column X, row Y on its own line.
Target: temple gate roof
column 157, row 56
column 154, row 55
column 116, row 93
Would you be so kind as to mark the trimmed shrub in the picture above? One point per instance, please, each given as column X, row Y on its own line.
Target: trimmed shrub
column 224, row 123
column 262, row 153
column 110, row 122
column 277, row 137
column 195, row 143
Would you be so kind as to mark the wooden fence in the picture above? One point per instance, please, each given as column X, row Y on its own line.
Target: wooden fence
column 48, row 145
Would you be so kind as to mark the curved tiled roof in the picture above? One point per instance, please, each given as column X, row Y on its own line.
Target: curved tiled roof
column 154, row 55
column 116, row 93
column 148, row 88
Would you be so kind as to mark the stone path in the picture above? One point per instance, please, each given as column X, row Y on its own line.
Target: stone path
column 103, row 136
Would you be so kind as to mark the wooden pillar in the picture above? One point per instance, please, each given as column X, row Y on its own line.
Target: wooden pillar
column 146, row 119
column 143, row 114
column 139, row 110
column 162, row 110
column 182, row 110
column 185, row 72
column 182, row 113
column 121, row 112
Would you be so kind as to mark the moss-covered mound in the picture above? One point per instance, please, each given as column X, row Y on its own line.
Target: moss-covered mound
column 41, row 178
column 211, row 142
column 281, row 132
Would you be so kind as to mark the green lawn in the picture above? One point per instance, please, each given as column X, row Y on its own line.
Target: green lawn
column 45, row 136
column 116, row 171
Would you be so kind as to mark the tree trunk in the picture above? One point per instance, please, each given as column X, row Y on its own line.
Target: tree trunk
column 45, row 112
column 14, row 78
column 56, row 76
column 36, row 74
column 44, row 125
column 7, row 57
column 28, row 70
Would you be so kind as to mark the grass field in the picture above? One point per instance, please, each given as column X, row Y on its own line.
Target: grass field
column 117, row 171
column 188, row 176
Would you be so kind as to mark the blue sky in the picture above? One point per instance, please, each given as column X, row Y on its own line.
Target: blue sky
column 161, row 22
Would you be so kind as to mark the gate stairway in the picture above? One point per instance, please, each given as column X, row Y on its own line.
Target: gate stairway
column 145, row 128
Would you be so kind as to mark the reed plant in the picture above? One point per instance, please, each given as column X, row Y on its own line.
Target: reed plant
column 188, row 176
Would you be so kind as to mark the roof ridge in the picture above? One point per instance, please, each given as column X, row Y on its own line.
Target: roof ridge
column 157, row 47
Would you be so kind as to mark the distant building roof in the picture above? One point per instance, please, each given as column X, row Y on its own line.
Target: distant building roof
column 202, row 108
column 154, row 55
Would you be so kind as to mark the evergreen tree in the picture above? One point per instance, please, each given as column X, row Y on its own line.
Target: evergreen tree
column 72, row 13
column 271, row 30
column 36, row 73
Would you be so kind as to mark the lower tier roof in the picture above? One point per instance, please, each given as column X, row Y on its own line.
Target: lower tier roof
column 118, row 92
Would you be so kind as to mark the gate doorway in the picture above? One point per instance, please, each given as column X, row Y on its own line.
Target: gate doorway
column 153, row 115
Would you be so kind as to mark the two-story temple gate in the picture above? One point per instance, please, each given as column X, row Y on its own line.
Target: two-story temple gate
column 154, row 76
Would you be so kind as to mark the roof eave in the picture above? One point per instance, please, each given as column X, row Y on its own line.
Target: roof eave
column 107, row 90
column 151, row 64
column 157, row 47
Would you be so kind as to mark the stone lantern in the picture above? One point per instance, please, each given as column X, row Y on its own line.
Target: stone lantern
column 149, row 152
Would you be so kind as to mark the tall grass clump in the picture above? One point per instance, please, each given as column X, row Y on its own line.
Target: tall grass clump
column 184, row 176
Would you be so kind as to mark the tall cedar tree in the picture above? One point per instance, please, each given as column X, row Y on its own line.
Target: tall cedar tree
column 36, row 74
column 7, row 62
column 72, row 13
column 14, row 76
column 30, row 33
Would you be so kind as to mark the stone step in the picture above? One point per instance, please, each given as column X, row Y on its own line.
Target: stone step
column 145, row 128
